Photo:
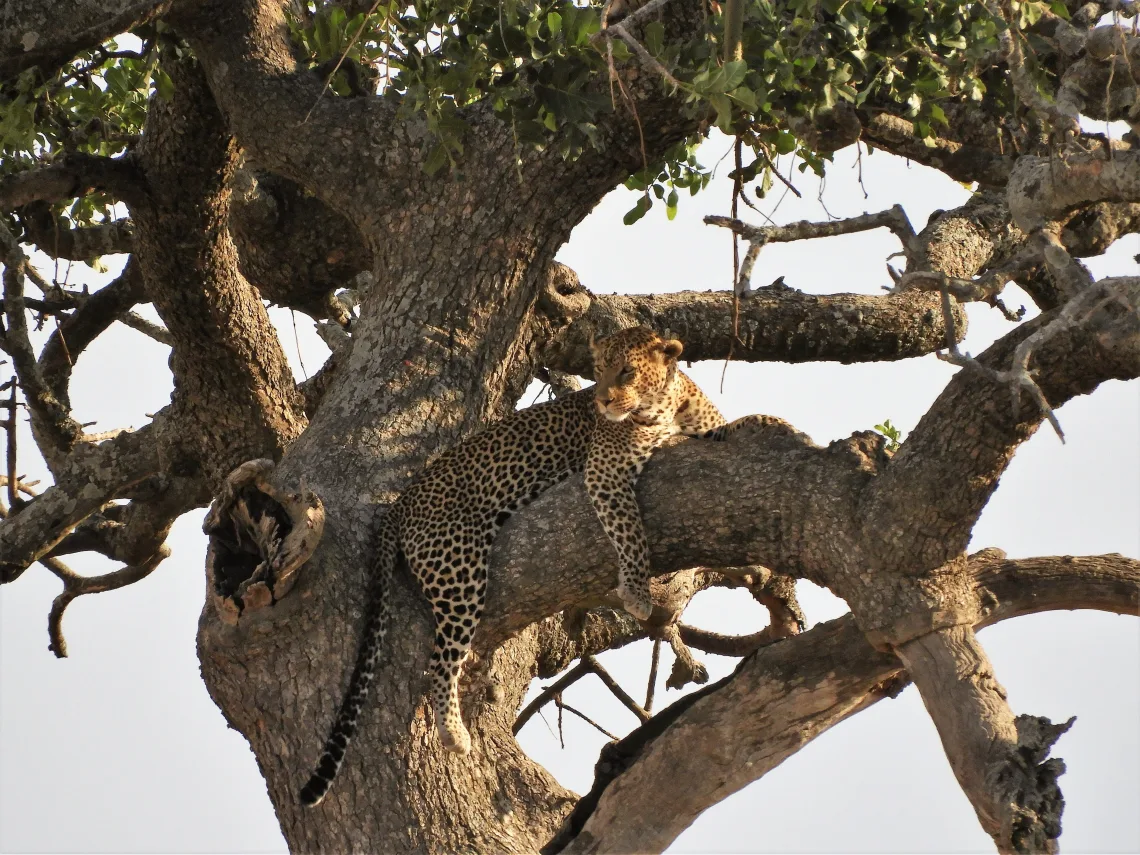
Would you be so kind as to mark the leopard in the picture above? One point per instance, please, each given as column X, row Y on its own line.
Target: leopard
column 444, row 523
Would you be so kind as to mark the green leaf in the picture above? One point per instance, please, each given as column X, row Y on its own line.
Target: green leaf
column 638, row 211
column 734, row 73
column 163, row 85
column 437, row 159
column 554, row 23
column 785, row 143
column 745, row 97
column 723, row 108
column 655, row 37
column 671, row 204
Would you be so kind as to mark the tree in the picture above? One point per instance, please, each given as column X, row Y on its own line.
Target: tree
column 257, row 163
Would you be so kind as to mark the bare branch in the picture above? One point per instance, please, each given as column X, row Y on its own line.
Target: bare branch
column 10, row 445
column 985, row 287
column 588, row 664
column 1018, row 376
column 550, row 692
column 618, row 692
column 77, row 586
column 59, row 431
column 654, row 664
column 772, row 323
column 893, row 218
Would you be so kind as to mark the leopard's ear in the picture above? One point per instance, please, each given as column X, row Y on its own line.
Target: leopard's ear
column 671, row 348
column 593, row 348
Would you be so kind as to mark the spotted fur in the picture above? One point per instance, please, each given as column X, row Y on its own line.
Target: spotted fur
column 445, row 522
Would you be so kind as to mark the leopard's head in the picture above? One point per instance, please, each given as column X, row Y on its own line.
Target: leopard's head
column 634, row 370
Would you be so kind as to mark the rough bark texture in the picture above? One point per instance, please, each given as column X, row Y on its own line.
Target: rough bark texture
column 250, row 182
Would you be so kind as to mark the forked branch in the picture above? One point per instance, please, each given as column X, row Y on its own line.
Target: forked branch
column 735, row 731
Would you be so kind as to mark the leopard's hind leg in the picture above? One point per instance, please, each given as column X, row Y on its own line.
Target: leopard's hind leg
column 454, row 580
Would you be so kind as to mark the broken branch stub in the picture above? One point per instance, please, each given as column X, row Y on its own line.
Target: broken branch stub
column 259, row 536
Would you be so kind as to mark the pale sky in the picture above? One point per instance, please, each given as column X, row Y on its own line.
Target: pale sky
column 120, row 749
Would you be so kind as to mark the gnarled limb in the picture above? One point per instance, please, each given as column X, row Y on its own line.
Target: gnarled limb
column 995, row 757
column 952, row 459
column 234, row 392
column 91, row 477
column 735, row 731
column 75, row 585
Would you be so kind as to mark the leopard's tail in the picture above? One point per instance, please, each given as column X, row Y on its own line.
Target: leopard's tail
column 375, row 628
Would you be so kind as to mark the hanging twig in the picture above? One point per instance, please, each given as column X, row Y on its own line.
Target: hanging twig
column 547, row 695
column 75, row 585
column 618, row 692
column 10, row 429
column 654, row 664
column 563, row 706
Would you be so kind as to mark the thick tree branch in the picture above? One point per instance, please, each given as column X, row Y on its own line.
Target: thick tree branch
column 245, row 52
column 244, row 49
column 72, row 175
column 994, row 756
column 56, row 239
column 775, row 324
column 962, row 162
column 948, row 467
column 916, row 514
column 234, row 392
column 1041, row 189
column 92, row 475
column 48, row 33
column 781, row 698
column 1107, row 583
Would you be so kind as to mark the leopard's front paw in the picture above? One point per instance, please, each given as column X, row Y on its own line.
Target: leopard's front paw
column 636, row 601
column 455, row 737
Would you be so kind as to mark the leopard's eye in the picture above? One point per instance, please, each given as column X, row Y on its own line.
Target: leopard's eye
column 627, row 374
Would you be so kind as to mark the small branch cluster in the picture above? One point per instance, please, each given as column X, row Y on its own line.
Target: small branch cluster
column 893, row 218
column 553, row 693
column 1018, row 376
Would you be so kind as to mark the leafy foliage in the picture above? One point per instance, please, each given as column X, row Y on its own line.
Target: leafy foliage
column 542, row 66
column 96, row 105
column 893, row 434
